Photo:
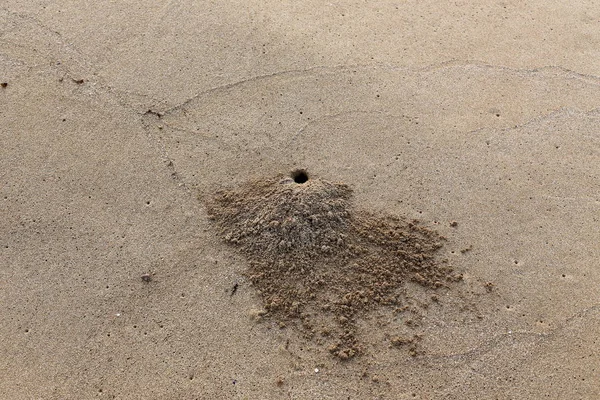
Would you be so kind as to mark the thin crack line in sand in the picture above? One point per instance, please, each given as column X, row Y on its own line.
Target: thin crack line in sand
column 324, row 117
column 98, row 85
column 84, row 60
column 542, row 338
column 164, row 154
column 571, row 74
column 101, row 90
column 537, row 119
column 184, row 130
column 383, row 65
column 196, row 134
column 80, row 58
column 258, row 78
column 161, row 148
column 567, row 74
column 77, row 57
column 496, row 340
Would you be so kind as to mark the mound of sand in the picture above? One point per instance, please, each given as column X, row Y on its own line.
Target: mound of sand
column 319, row 263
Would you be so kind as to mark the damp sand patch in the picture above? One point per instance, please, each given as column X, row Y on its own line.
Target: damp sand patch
column 320, row 264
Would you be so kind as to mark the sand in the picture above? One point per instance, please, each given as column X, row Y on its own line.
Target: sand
column 325, row 266
column 118, row 119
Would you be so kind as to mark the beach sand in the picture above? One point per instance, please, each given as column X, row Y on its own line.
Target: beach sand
column 120, row 120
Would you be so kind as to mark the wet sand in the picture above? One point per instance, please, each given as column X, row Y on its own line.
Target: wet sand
column 119, row 119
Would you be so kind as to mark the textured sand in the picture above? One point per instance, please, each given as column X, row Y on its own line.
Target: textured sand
column 116, row 116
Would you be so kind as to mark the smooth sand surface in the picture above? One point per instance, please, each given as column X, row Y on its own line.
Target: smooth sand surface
column 118, row 118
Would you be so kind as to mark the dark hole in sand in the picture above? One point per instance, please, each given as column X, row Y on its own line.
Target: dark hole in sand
column 300, row 176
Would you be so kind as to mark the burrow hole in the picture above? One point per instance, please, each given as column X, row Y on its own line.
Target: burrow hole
column 300, row 176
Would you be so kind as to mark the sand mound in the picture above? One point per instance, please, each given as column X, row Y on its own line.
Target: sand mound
column 319, row 263
column 280, row 217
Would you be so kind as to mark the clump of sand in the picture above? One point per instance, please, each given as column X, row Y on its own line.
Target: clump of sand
column 319, row 263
